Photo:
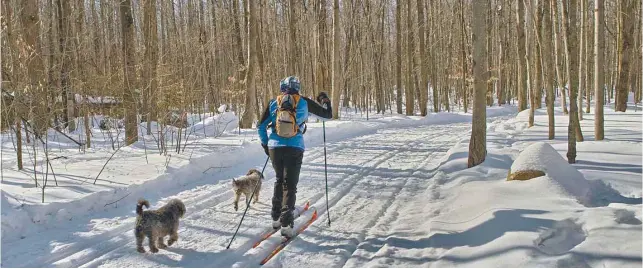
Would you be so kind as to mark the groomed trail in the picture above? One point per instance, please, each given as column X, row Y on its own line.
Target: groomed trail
column 370, row 177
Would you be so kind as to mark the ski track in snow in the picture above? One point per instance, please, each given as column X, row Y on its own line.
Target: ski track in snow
column 385, row 164
column 359, row 204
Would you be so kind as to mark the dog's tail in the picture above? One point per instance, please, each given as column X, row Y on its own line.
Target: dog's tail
column 139, row 206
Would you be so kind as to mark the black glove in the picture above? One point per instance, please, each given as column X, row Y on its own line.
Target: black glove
column 322, row 98
column 265, row 149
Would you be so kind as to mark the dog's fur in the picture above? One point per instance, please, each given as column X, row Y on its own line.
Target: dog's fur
column 156, row 224
column 244, row 185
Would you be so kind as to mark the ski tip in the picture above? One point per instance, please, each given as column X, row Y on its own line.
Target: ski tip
column 314, row 214
column 307, row 205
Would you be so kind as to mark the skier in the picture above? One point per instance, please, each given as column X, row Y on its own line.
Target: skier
column 286, row 115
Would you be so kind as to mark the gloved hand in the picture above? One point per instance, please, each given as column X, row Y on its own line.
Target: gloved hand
column 322, row 98
column 265, row 149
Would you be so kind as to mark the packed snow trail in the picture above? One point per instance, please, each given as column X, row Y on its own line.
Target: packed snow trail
column 365, row 176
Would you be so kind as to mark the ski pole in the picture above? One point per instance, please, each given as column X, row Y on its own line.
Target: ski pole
column 326, row 171
column 248, row 204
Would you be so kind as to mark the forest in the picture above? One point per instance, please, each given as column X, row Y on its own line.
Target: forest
column 153, row 61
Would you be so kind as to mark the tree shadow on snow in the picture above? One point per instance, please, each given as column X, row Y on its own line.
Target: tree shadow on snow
column 608, row 167
column 503, row 221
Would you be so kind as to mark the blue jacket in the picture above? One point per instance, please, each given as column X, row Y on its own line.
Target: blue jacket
column 269, row 116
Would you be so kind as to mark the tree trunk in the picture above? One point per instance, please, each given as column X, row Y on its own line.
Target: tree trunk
column 409, row 90
column 12, row 39
column 489, row 26
column 627, row 42
column 248, row 113
column 336, row 92
column 559, row 76
column 64, row 34
column 422, row 61
column 463, row 58
column 599, row 54
column 151, row 59
column 478, row 142
column 537, row 78
column 521, row 57
column 548, row 68
column 582, row 64
column 570, row 33
column 398, row 55
column 292, row 45
column 32, row 53
column 129, row 72
column 502, row 47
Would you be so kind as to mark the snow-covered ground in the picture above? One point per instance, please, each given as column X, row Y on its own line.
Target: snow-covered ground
column 399, row 195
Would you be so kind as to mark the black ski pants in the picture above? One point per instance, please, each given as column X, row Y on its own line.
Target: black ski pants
column 287, row 163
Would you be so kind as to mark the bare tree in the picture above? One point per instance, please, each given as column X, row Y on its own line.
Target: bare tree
column 151, row 60
column 478, row 142
column 522, row 56
column 129, row 75
column 398, row 54
column 335, row 61
column 559, row 77
column 627, row 21
column 409, row 89
column 599, row 79
column 548, row 65
column 582, row 63
column 247, row 118
column 422, row 61
column 569, row 28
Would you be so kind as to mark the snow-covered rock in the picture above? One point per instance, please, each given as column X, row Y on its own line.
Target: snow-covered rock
column 542, row 160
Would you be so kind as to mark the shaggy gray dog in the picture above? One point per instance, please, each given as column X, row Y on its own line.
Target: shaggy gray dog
column 156, row 224
column 244, row 185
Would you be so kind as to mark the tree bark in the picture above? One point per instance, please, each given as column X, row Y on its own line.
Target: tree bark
column 548, row 68
column 478, row 142
column 410, row 89
column 573, row 128
column 521, row 57
column 292, row 45
column 537, row 78
column 336, row 92
column 129, row 75
column 151, row 59
column 247, row 119
column 12, row 39
column 422, row 61
column 64, row 36
column 398, row 55
column 599, row 72
column 559, row 76
column 582, row 64
column 463, row 58
column 627, row 21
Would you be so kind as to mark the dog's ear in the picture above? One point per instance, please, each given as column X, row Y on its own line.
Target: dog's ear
column 251, row 171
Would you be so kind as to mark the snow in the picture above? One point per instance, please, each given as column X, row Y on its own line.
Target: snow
column 399, row 195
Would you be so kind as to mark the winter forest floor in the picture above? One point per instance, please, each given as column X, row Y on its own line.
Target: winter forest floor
column 400, row 195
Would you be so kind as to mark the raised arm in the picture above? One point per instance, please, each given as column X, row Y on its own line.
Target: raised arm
column 324, row 110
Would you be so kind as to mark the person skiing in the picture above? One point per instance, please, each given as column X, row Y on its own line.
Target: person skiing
column 286, row 116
